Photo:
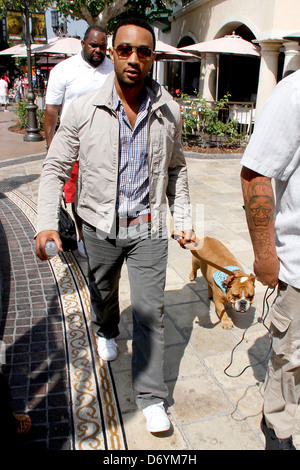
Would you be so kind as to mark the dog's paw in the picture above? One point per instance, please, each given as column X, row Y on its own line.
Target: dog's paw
column 192, row 276
column 226, row 323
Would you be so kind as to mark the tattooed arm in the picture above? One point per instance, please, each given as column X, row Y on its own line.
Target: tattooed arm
column 260, row 213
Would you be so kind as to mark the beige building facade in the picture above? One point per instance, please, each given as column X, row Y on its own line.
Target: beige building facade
column 268, row 23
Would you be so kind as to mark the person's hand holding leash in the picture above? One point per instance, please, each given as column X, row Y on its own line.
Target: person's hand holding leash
column 185, row 237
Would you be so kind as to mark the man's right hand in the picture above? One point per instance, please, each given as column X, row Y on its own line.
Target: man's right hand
column 267, row 271
column 41, row 240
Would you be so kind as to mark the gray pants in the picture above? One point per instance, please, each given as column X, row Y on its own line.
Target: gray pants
column 282, row 387
column 146, row 260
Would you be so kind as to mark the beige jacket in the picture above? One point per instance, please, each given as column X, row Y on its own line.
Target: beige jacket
column 90, row 132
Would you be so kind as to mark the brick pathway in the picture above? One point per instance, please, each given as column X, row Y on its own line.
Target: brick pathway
column 51, row 363
column 33, row 332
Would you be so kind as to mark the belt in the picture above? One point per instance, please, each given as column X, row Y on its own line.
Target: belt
column 145, row 218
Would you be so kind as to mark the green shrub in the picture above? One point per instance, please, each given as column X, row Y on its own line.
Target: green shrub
column 205, row 117
column 22, row 115
column 21, row 112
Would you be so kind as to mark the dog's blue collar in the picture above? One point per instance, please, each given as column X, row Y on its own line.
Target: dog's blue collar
column 220, row 277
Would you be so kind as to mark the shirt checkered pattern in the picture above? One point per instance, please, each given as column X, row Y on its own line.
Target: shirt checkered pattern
column 133, row 184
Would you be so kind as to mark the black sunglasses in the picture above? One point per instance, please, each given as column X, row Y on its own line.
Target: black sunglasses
column 124, row 51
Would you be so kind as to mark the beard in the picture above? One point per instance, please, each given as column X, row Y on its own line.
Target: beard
column 93, row 59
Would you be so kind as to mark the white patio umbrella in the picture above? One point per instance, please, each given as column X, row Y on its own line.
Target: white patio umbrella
column 231, row 44
column 60, row 45
column 166, row 52
column 19, row 50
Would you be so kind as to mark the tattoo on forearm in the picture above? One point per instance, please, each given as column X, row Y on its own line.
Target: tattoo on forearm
column 261, row 211
column 264, row 244
column 260, row 204
column 260, row 208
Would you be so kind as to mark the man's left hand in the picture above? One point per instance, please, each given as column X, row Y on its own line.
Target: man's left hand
column 187, row 236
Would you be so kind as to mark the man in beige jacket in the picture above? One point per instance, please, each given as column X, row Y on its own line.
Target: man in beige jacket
column 127, row 137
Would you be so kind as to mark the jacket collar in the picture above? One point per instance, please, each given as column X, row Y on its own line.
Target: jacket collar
column 158, row 95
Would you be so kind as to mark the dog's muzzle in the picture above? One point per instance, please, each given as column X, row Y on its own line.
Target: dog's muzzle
column 242, row 306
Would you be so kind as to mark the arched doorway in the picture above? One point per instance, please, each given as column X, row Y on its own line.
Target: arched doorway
column 184, row 75
column 238, row 75
column 190, row 71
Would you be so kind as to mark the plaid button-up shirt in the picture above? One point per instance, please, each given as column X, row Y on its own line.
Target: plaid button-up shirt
column 133, row 184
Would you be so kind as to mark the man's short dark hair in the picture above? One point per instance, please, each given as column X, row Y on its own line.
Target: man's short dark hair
column 93, row 28
column 137, row 22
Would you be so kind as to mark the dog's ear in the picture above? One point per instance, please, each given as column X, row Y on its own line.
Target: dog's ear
column 229, row 280
column 252, row 277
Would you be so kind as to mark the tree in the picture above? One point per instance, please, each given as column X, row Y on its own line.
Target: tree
column 101, row 12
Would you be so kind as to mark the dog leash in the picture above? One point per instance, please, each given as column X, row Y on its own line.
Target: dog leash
column 193, row 245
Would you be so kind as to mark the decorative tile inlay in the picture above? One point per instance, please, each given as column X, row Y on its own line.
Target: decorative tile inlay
column 97, row 423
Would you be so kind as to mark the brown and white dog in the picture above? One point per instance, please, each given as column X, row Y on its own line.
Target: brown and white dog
column 237, row 288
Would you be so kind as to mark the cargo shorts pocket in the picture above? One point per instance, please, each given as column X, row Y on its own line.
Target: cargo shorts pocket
column 280, row 319
column 280, row 329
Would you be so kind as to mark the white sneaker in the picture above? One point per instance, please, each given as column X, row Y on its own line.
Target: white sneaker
column 80, row 249
column 107, row 348
column 156, row 418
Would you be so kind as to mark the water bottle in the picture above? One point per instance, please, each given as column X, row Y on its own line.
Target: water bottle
column 51, row 249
